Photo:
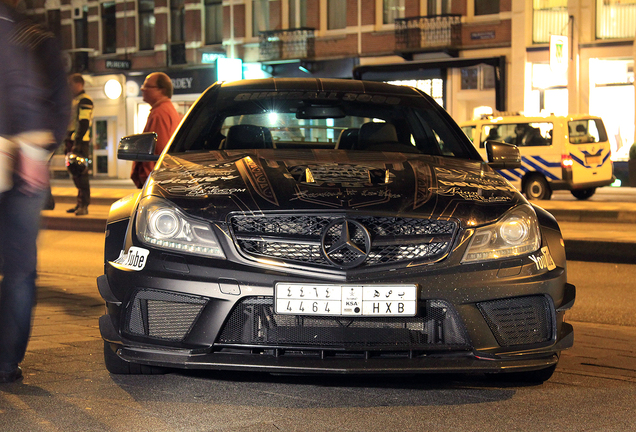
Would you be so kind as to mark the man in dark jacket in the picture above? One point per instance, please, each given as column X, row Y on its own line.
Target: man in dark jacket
column 34, row 115
column 78, row 141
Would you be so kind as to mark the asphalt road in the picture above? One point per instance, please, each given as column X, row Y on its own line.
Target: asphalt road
column 66, row 387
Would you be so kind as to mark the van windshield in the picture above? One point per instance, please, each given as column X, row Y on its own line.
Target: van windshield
column 587, row 131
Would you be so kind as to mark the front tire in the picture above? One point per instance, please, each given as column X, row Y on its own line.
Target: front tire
column 537, row 188
column 583, row 194
column 118, row 366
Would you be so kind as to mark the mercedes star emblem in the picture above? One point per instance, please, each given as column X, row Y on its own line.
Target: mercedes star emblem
column 345, row 243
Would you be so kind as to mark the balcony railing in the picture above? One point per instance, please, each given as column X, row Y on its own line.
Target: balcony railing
column 548, row 21
column 428, row 33
column 291, row 44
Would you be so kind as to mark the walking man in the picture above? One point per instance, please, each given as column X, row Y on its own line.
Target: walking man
column 34, row 114
column 78, row 140
column 163, row 120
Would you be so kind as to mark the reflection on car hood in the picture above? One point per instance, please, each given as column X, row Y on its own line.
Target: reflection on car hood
column 212, row 184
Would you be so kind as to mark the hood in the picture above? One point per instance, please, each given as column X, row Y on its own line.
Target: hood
column 212, row 184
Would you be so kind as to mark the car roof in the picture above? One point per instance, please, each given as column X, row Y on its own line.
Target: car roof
column 529, row 119
column 318, row 84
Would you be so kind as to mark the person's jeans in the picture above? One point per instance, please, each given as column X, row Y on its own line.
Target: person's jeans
column 19, row 226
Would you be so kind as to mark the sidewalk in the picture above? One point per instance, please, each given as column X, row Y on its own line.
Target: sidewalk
column 606, row 228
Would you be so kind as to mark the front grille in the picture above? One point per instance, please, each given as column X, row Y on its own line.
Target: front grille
column 298, row 238
column 163, row 315
column 254, row 323
column 520, row 320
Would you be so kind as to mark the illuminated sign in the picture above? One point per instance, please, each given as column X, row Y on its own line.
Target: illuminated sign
column 228, row 69
column 559, row 54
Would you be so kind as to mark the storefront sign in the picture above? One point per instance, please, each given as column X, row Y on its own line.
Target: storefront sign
column 559, row 54
column 118, row 64
column 192, row 81
column 482, row 35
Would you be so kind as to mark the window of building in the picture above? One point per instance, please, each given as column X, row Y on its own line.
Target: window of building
column 486, row 7
column 54, row 21
column 177, row 20
column 146, row 13
column 336, row 14
column 615, row 19
column 392, row 9
column 81, row 26
column 549, row 17
column 297, row 13
column 437, row 7
column 260, row 16
column 213, row 22
column 109, row 28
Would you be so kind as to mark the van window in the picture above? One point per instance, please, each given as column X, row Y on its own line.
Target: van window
column 519, row 134
column 586, row 131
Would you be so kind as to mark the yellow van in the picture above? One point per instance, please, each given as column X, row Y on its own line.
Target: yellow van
column 557, row 153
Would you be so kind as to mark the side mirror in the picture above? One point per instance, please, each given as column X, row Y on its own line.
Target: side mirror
column 502, row 155
column 140, row 147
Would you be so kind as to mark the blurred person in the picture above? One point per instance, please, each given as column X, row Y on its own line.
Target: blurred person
column 163, row 120
column 78, row 143
column 34, row 114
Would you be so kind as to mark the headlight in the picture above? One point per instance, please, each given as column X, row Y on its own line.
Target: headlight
column 517, row 233
column 162, row 225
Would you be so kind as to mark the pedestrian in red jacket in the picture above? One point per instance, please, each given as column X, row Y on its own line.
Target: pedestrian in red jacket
column 163, row 120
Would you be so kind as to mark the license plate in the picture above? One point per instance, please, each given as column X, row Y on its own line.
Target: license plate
column 345, row 300
column 593, row 160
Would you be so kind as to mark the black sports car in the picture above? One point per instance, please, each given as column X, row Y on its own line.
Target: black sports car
column 308, row 225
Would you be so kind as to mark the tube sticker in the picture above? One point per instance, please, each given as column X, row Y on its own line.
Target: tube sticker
column 545, row 261
column 135, row 259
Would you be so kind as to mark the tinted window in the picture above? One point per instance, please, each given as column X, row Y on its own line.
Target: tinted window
column 349, row 121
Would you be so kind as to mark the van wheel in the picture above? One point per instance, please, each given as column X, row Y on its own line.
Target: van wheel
column 583, row 194
column 537, row 188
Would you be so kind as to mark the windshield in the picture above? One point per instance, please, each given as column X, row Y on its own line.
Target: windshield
column 346, row 121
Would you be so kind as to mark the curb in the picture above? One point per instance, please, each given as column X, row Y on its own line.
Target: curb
column 91, row 224
column 600, row 216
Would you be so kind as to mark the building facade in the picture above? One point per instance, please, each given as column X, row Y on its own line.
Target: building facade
column 472, row 56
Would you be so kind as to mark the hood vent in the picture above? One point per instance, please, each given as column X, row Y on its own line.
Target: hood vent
column 347, row 175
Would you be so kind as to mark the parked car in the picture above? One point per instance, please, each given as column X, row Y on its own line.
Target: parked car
column 557, row 153
column 306, row 226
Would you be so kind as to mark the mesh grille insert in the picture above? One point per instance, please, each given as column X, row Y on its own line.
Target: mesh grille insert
column 253, row 322
column 297, row 238
column 163, row 315
column 520, row 320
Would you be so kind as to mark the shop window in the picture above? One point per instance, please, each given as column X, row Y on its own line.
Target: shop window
column 336, row 14
column 486, row 7
column 433, row 87
column 109, row 28
column 213, row 22
column 260, row 16
column 478, row 78
column 146, row 13
column 615, row 19
column 392, row 9
column 297, row 13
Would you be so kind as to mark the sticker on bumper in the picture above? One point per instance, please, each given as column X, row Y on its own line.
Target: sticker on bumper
column 135, row 259
column 544, row 261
